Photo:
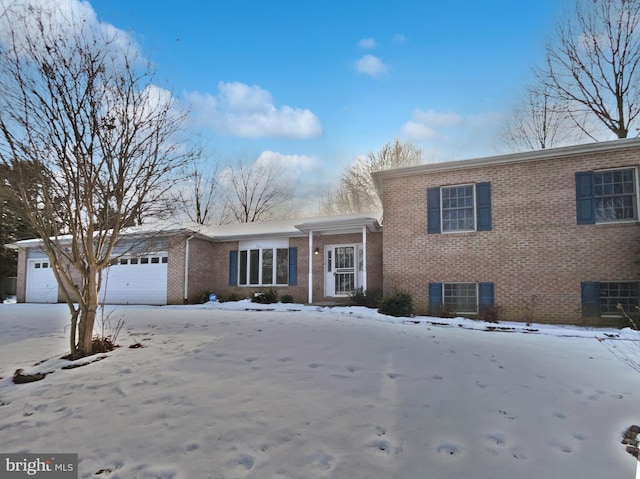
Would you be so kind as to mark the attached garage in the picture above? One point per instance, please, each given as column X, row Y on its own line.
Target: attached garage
column 136, row 280
column 42, row 286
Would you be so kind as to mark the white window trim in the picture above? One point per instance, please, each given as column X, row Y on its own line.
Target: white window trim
column 475, row 205
column 463, row 282
column 637, row 194
column 261, row 284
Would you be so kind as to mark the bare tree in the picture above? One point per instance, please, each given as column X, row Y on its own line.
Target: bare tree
column 255, row 192
column 199, row 194
column 81, row 118
column 356, row 192
column 538, row 122
column 591, row 64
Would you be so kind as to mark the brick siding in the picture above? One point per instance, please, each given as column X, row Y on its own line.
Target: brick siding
column 535, row 250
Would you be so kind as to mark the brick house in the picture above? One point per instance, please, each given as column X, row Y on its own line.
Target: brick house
column 312, row 259
column 547, row 235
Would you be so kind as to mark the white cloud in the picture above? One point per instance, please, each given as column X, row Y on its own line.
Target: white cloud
column 248, row 112
column 425, row 125
column 372, row 66
column 63, row 18
column 419, row 131
column 398, row 38
column 452, row 135
column 367, row 43
column 295, row 164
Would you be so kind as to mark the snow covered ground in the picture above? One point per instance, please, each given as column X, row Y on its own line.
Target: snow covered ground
column 219, row 391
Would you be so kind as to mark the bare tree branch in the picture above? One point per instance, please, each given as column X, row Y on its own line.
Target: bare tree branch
column 81, row 118
column 255, row 192
column 592, row 64
column 356, row 192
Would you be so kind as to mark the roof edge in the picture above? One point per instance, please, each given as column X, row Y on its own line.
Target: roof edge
column 536, row 155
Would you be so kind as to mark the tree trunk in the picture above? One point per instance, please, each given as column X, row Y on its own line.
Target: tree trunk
column 88, row 315
column 74, row 328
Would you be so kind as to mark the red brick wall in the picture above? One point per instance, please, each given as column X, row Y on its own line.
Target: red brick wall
column 219, row 262
column 535, row 248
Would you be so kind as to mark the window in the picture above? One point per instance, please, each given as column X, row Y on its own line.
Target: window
column 606, row 196
column 461, row 297
column 464, row 298
column 615, row 196
column 256, row 267
column 459, row 208
column 603, row 298
column 626, row 295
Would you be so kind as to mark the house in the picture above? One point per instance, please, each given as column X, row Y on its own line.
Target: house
column 544, row 236
column 549, row 235
column 312, row 259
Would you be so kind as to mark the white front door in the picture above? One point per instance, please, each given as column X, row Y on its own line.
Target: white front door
column 42, row 286
column 341, row 270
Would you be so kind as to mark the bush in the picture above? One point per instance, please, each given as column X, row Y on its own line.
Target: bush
column 267, row 296
column 490, row 313
column 398, row 304
column 442, row 311
column 286, row 298
column 203, row 296
column 229, row 297
column 362, row 297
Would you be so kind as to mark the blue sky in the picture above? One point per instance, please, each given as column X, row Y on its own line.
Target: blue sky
column 317, row 83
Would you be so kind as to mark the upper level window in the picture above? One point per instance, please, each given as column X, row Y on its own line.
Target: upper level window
column 458, row 209
column 615, row 195
column 606, row 196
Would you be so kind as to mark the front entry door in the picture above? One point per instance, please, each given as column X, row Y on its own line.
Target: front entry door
column 341, row 275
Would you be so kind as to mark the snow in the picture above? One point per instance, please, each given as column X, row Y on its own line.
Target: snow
column 233, row 390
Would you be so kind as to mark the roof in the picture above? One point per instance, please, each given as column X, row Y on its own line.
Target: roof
column 536, row 155
column 339, row 224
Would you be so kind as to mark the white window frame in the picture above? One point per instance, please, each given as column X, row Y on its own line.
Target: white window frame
column 262, row 246
column 636, row 196
column 444, row 302
column 442, row 220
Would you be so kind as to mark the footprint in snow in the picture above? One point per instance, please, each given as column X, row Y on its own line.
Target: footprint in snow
column 322, row 460
column 449, row 449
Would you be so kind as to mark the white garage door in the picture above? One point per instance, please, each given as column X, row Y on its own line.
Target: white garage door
column 141, row 280
column 42, row 286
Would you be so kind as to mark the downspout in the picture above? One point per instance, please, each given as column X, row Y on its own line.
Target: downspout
column 310, row 267
column 186, row 269
column 364, row 259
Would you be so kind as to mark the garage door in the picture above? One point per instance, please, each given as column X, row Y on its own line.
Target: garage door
column 140, row 280
column 42, row 286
